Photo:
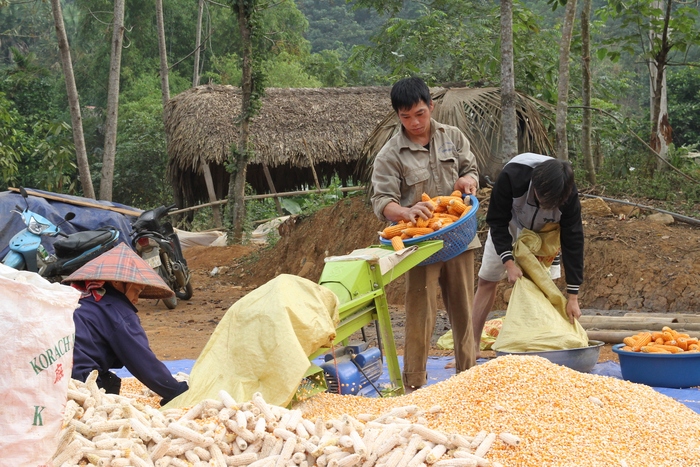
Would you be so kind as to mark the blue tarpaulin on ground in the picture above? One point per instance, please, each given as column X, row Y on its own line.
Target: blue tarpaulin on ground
column 437, row 372
column 86, row 218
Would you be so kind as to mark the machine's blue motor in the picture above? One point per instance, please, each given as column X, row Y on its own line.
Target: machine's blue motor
column 350, row 369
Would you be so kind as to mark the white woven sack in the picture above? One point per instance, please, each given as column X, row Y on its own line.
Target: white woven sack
column 36, row 320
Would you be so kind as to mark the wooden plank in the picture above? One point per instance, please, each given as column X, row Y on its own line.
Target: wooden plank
column 680, row 317
column 216, row 212
column 271, row 184
column 87, row 204
column 619, row 322
column 311, row 163
column 625, row 319
column 609, row 337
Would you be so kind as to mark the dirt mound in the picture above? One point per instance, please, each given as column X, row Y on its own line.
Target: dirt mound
column 630, row 264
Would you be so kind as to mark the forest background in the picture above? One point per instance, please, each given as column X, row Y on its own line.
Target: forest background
column 331, row 43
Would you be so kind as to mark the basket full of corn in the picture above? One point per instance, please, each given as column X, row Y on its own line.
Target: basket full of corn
column 454, row 222
column 666, row 358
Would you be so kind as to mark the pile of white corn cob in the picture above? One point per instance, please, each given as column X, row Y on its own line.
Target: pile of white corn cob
column 110, row 430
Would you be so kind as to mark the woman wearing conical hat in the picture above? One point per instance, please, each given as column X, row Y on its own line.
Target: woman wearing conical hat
column 108, row 332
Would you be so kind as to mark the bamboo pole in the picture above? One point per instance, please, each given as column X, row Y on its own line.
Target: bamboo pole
column 216, row 212
column 634, row 328
column 266, row 171
column 676, row 216
column 680, row 317
column 77, row 202
column 281, row 195
column 311, row 163
column 620, row 322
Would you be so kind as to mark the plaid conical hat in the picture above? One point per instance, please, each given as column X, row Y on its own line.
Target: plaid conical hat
column 121, row 264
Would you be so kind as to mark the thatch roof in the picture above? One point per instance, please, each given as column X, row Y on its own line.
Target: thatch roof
column 293, row 128
column 335, row 131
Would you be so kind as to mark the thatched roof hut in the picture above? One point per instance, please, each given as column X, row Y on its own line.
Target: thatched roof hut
column 295, row 129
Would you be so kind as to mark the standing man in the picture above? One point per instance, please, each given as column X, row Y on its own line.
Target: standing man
column 531, row 191
column 432, row 158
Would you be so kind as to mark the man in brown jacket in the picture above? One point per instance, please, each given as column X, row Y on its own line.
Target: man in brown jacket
column 432, row 158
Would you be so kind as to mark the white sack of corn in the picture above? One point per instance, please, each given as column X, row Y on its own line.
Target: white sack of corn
column 536, row 316
column 36, row 318
column 263, row 342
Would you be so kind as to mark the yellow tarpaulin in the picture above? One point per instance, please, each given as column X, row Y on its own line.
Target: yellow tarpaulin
column 263, row 342
column 536, row 318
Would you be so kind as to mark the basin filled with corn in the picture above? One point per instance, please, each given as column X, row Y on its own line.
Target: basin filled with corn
column 665, row 358
column 581, row 359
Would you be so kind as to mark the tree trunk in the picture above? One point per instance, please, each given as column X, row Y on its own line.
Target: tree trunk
column 661, row 133
column 198, row 43
column 598, row 153
column 164, row 84
column 73, row 102
column 509, row 120
column 586, row 92
column 239, row 159
column 563, row 85
column 106, row 182
column 216, row 209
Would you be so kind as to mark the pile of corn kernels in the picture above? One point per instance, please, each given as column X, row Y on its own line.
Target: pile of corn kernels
column 563, row 417
column 512, row 411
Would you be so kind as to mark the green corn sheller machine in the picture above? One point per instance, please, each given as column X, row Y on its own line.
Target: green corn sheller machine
column 358, row 281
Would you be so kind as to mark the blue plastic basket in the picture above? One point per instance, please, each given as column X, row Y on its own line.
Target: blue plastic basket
column 678, row 370
column 456, row 237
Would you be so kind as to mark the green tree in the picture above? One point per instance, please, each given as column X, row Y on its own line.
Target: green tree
column 684, row 106
column 252, row 90
column 328, row 67
column 447, row 40
column 141, row 163
column 54, row 156
column 12, row 140
column 338, row 24
column 281, row 71
column 45, row 154
column 456, row 40
column 662, row 33
column 29, row 85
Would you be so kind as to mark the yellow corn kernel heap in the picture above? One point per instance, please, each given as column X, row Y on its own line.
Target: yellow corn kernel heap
column 549, row 407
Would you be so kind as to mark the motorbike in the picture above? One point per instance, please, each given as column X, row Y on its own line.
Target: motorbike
column 155, row 240
column 72, row 251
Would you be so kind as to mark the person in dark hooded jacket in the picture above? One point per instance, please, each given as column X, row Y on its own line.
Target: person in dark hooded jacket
column 531, row 192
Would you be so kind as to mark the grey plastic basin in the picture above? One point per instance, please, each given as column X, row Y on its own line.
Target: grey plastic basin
column 582, row 359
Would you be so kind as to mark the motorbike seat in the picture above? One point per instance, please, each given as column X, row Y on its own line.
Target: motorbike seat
column 79, row 242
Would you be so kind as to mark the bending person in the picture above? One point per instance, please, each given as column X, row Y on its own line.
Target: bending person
column 531, row 191
column 108, row 332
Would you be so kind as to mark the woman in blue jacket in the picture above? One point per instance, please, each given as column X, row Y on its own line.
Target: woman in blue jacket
column 108, row 332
